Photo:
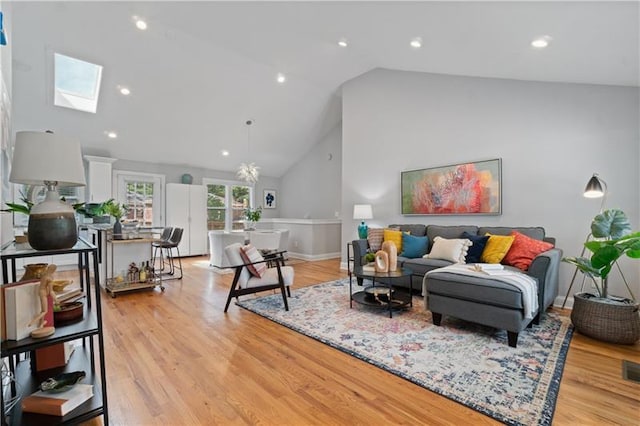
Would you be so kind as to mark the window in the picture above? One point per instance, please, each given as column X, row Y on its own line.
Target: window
column 76, row 83
column 226, row 202
column 139, row 202
column 36, row 194
column 142, row 194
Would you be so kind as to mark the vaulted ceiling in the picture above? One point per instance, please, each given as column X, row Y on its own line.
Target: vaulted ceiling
column 201, row 69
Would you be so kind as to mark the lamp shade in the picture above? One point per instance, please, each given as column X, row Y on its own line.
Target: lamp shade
column 594, row 187
column 41, row 156
column 362, row 211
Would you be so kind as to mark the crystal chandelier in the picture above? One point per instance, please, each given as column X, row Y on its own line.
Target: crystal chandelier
column 248, row 172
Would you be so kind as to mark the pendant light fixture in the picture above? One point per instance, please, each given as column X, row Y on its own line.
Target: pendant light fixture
column 248, row 172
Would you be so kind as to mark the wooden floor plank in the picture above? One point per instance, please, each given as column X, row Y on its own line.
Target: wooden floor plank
column 175, row 358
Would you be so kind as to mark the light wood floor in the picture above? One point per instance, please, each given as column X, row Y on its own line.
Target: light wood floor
column 175, row 358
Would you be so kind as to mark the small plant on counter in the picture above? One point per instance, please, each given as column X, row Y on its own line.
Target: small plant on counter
column 114, row 209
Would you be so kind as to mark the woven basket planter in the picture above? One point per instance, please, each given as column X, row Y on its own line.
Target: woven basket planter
column 616, row 322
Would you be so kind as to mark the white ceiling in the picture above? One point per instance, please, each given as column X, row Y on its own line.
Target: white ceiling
column 202, row 69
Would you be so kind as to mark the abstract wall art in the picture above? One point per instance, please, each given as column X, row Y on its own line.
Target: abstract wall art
column 467, row 188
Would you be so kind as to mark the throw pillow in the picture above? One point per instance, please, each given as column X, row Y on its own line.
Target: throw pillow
column 414, row 247
column 375, row 236
column 395, row 237
column 524, row 249
column 496, row 248
column 454, row 250
column 250, row 254
column 475, row 251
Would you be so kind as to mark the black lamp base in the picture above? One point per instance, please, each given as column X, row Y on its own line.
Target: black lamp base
column 52, row 231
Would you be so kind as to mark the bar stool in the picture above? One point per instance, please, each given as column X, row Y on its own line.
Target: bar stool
column 168, row 246
column 164, row 238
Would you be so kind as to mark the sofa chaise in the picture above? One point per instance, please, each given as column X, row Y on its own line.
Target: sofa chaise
column 482, row 300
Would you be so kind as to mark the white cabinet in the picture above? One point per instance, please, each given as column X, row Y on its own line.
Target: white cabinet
column 187, row 209
column 99, row 181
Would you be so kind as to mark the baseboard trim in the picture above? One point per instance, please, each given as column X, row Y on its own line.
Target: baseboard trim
column 557, row 303
column 312, row 257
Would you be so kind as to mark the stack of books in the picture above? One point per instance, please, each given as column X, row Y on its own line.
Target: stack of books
column 69, row 295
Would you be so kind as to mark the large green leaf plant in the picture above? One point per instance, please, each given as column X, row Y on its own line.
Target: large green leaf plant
column 613, row 238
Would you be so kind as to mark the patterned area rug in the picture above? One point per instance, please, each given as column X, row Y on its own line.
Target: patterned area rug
column 468, row 363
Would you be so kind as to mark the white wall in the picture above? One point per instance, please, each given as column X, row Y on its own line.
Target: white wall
column 311, row 188
column 551, row 138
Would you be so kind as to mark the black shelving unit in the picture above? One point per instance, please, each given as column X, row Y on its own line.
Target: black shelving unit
column 84, row 358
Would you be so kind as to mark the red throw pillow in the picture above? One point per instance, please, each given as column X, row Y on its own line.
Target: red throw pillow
column 250, row 254
column 523, row 250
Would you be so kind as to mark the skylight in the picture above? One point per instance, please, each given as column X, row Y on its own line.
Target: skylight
column 77, row 83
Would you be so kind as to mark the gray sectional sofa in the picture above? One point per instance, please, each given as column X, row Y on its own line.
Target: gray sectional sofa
column 481, row 300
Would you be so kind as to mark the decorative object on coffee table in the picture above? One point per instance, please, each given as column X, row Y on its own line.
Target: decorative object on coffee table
column 362, row 211
column 43, row 158
column 392, row 253
column 381, row 261
column 602, row 316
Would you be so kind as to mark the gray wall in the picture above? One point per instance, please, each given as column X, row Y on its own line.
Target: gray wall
column 6, row 219
column 311, row 188
column 551, row 138
column 173, row 174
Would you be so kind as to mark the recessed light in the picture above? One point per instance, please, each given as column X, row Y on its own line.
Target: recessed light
column 416, row 43
column 142, row 25
column 541, row 42
column 224, row 153
column 112, row 135
column 342, row 42
column 125, row 91
column 281, row 78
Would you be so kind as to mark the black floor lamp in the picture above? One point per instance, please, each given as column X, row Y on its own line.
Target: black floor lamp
column 596, row 188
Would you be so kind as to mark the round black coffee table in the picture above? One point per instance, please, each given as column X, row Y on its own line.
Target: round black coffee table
column 381, row 292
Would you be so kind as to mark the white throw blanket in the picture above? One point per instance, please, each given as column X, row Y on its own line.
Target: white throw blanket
column 527, row 285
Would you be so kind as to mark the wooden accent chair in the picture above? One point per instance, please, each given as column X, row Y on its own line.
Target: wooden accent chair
column 248, row 280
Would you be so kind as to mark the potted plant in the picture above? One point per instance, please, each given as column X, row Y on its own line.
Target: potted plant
column 602, row 316
column 25, row 208
column 116, row 210
column 95, row 211
column 252, row 216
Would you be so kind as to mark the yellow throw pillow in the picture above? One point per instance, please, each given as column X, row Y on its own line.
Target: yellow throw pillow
column 496, row 248
column 395, row 237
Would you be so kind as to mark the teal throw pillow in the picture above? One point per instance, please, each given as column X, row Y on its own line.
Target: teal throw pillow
column 475, row 251
column 414, row 247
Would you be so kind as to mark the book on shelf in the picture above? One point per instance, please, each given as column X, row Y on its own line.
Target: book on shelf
column 21, row 305
column 57, row 403
column 52, row 356
column 69, row 295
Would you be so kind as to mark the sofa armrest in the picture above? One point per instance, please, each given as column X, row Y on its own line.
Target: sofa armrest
column 360, row 248
column 545, row 268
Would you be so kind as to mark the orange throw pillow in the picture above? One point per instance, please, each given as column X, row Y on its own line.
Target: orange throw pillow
column 523, row 250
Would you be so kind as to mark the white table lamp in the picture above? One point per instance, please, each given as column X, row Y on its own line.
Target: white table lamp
column 44, row 158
